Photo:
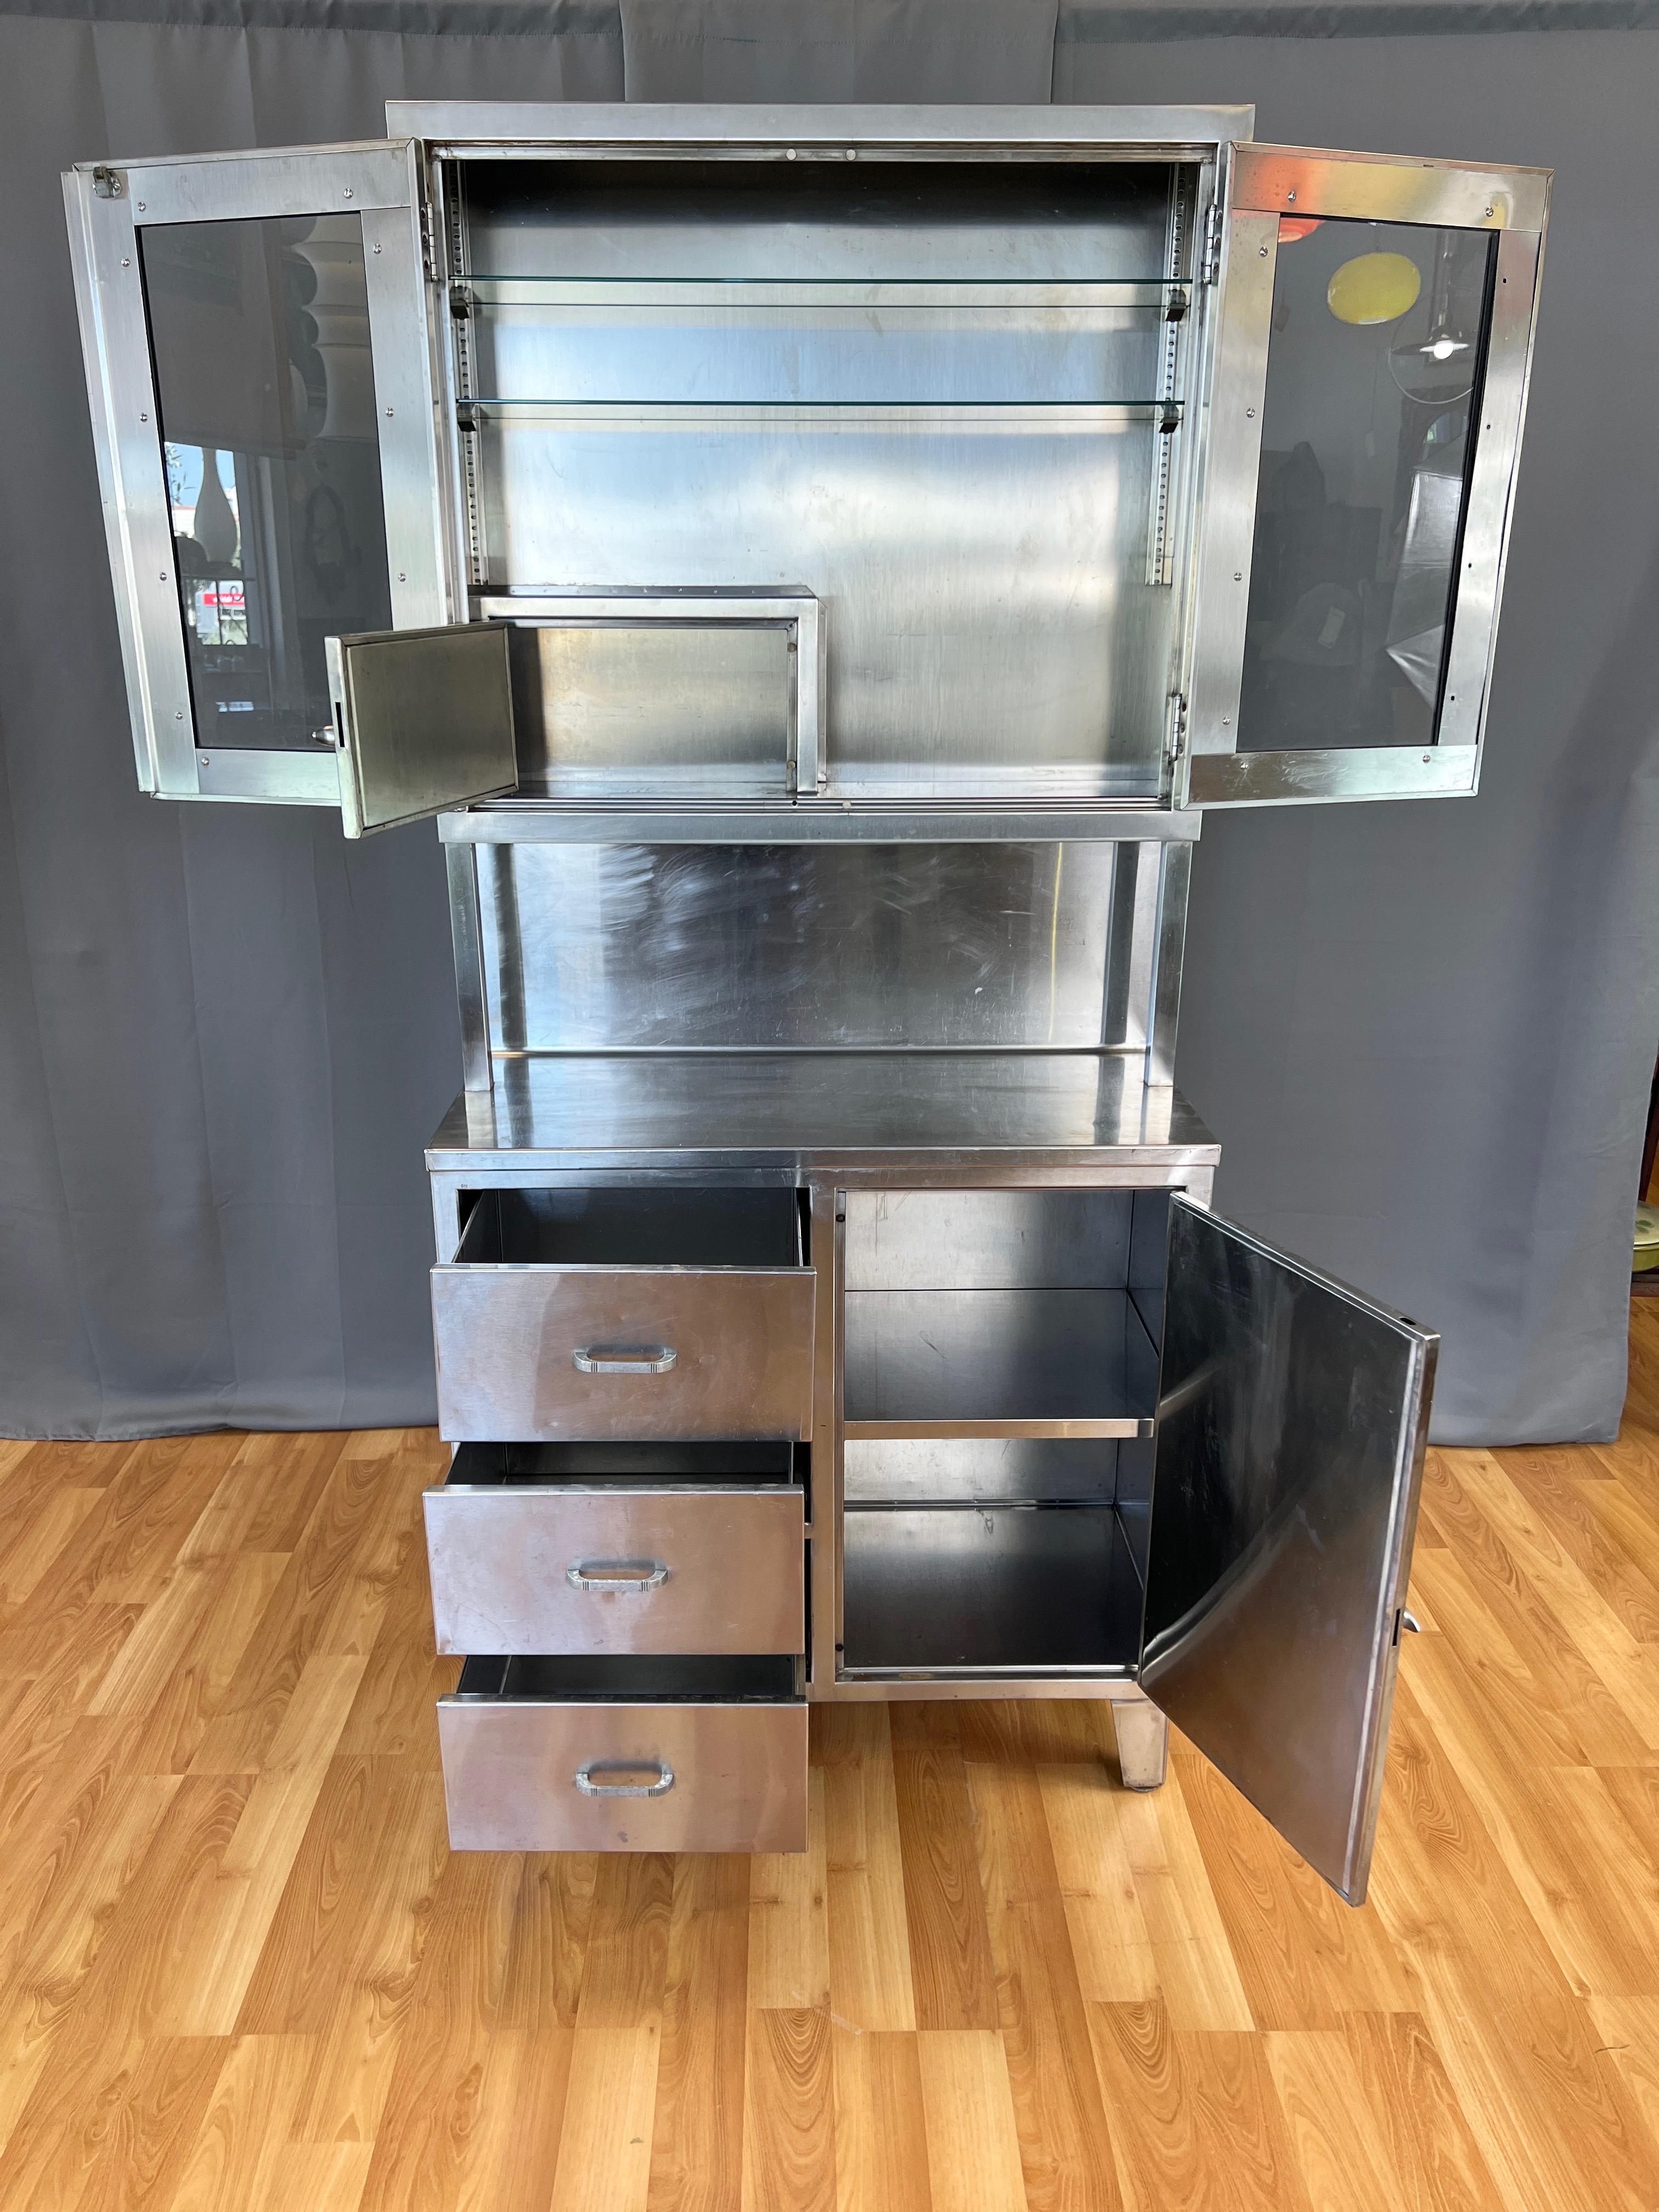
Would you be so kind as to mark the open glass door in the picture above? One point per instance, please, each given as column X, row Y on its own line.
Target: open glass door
column 1369, row 380
column 255, row 333
column 1292, row 1419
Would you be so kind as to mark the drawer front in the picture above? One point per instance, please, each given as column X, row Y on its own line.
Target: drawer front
column 538, row 1777
column 519, row 1568
column 533, row 1353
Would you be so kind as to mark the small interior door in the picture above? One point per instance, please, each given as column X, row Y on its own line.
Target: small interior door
column 256, row 334
column 1368, row 388
column 1292, row 1414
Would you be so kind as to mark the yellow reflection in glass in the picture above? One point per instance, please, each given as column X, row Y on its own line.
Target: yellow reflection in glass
column 1374, row 288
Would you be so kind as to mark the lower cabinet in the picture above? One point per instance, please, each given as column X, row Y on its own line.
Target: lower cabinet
column 625, row 1754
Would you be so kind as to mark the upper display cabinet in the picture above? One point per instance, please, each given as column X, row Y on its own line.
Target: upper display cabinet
column 806, row 472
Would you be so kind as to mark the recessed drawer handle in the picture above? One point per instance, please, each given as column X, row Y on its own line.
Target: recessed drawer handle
column 624, row 1359
column 622, row 1576
column 591, row 1788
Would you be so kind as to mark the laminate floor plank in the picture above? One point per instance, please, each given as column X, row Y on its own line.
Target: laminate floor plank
column 241, row 1968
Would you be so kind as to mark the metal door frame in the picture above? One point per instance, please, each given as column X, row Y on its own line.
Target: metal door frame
column 106, row 205
column 1266, row 181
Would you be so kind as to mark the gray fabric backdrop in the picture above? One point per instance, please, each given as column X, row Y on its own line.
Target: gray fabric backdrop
column 1424, row 1033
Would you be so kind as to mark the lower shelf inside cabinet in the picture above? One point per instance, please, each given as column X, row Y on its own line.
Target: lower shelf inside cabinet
column 965, row 1589
column 630, row 1679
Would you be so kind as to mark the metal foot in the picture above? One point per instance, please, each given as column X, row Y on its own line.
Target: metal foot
column 1143, row 1745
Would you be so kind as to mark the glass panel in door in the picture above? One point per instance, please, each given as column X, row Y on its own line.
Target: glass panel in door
column 1368, row 427
column 259, row 335
column 1291, row 1418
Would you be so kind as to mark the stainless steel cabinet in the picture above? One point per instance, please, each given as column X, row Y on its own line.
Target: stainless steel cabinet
column 819, row 564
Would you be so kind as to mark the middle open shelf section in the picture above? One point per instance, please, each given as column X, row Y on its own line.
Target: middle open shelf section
column 1002, row 1314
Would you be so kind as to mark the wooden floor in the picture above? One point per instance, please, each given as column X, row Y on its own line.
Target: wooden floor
column 241, row 1971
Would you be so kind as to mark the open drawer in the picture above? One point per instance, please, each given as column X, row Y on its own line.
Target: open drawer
column 638, row 1754
column 610, row 1547
column 633, row 1313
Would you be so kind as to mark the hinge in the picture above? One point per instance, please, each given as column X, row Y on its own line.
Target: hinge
column 428, row 257
column 107, row 183
column 1175, row 727
column 1209, row 267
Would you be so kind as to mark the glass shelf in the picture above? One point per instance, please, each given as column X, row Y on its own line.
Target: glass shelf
column 848, row 295
column 1010, row 415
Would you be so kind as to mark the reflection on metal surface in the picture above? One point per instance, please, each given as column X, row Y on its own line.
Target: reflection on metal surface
column 1292, row 1420
column 771, row 1108
column 593, row 947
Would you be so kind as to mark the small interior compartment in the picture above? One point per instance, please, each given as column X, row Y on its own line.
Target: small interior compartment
column 591, row 1466
column 649, row 705
column 1002, row 1306
column 651, row 1227
column 1010, row 1588
column 632, row 1679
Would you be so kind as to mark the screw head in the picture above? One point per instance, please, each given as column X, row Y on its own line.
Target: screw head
column 349, row 193
column 1290, row 196
column 177, row 713
column 204, row 759
column 1488, row 212
column 144, row 417
column 1251, row 412
column 401, row 579
column 141, row 208
column 388, row 413
column 163, row 577
column 377, row 249
column 1226, row 721
column 1261, row 252
column 127, row 261
column 1425, row 760
column 789, row 154
column 851, row 154
column 1238, row 575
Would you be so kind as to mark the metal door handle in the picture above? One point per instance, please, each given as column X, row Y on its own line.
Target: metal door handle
column 590, row 1788
column 620, row 1575
column 1406, row 1621
column 624, row 1359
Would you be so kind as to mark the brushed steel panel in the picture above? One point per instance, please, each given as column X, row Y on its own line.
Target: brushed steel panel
column 597, row 946
column 510, row 1768
column 554, row 1567
column 596, row 128
column 425, row 721
column 508, row 1337
column 966, row 1240
column 1292, row 1414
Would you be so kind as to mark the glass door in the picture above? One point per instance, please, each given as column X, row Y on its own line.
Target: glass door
column 1292, row 1419
column 255, row 332
column 1369, row 381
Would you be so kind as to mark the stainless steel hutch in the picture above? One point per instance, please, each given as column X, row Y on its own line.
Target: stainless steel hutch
column 816, row 564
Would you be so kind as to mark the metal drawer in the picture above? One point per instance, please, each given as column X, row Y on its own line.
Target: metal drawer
column 549, row 1324
column 524, row 1559
column 625, row 1755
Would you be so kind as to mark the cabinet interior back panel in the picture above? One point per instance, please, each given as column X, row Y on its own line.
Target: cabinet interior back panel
column 925, row 394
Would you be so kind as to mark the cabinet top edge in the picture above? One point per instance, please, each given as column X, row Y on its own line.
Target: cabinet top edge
column 524, row 125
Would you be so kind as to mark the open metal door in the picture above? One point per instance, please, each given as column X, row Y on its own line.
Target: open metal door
column 1292, row 1413
column 1373, row 348
column 257, row 335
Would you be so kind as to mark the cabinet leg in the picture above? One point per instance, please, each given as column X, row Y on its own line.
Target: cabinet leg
column 1143, row 1745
